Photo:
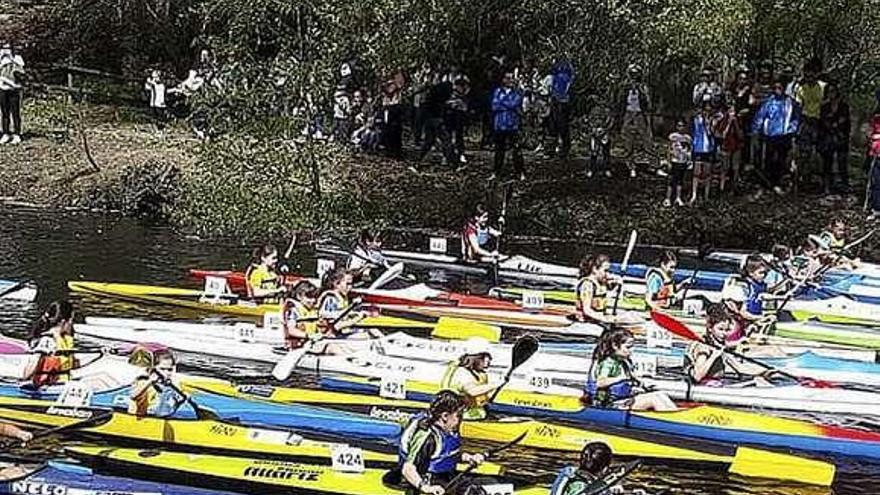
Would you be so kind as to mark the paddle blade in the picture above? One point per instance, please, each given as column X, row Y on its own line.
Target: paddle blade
column 672, row 325
column 387, row 276
column 285, row 366
column 629, row 251
column 524, row 348
column 765, row 464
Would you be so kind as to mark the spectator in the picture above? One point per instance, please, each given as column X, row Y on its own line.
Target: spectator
column 761, row 90
column 834, row 131
column 635, row 122
column 456, row 117
column 506, row 112
column 365, row 136
column 730, row 138
column 787, row 77
column 871, row 161
column 809, row 94
column 342, row 115
column 438, row 95
column 680, row 145
column 155, row 86
column 421, row 84
column 703, row 151
column 599, row 152
column 776, row 123
column 11, row 82
column 560, row 106
column 193, row 83
column 741, row 98
column 706, row 89
column 392, row 115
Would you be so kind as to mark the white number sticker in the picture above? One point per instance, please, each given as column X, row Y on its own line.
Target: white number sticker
column 245, row 332
column 215, row 286
column 347, row 459
column 658, row 337
column 692, row 307
column 272, row 321
column 75, row 394
column 437, row 245
column 499, row 489
column 324, row 266
column 644, row 365
column 533, row 299
column 540, row 382
column 392, row 388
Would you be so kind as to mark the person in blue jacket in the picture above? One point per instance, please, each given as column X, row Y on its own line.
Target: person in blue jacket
column 776, row 123
column 703, row 151
column 507, row 103
column 560, row 106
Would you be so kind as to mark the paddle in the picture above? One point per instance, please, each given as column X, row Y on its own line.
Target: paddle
column 702, row 252
column 13, row 288
column 93, row 420
column 486, row 454
column 371, row 262
column 678, row 328
column 629, row 249
column 286, row 365
column 502, row 219
column 524, row 348
column 613, row 477
column 387, row 276
column 201, row 412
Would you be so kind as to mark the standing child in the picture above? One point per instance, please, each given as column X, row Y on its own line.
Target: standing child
column 703, row 151
column 680, row 145
column 731, row 139
column 11, row 81
column 155, row 86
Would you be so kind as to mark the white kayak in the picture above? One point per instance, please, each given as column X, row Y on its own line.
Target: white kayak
column 15, row 290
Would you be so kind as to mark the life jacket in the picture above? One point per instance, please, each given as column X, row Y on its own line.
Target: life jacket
column 54, row 367
column 155, row 403
column 833, row 242
column 696, row 349
column 754, row 305
column 327, row 315
column 446, row 455
column 475, row 407
column 606, row 396
column 599, row 300
column 261, row 277
column 663, row 297
column 295, row 311
column 471, row 228
column 571, row 480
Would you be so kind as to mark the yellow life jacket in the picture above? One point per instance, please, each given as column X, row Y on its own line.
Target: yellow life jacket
column 475, row 408
column 599, row 298
column 300, row 313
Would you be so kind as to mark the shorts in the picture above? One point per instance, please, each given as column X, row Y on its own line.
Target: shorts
column 704, row 157
column 676, row 177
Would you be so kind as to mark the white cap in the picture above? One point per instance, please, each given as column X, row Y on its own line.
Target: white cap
column 475, row 346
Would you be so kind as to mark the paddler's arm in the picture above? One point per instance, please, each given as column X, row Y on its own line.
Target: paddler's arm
column 702, row 364
column 419, row 452
column 12, row 431
column 474, row 389
column 141, row 385
column 474, row 244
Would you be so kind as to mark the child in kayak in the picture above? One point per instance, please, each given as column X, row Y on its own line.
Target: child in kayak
column 591, row 291
column 706, row 363
column 334, row 303
column 468, row 377
column 430, row 449
column 300, row 320
column 151, row 394
column 834, row 239
column 661, row 291
column 262, row 280
column 366, row 256
column 52, row 340
column 591, row 475
column 747, row 291
column 475, row 236
column 610, row 382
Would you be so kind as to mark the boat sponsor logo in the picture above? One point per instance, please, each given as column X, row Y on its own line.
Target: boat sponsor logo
column 258, row 390
column 714, row 419
column 38, row 488
column 395, row 415
column 532, row 402
column 69, row 412
column 224, row 430
column 281, row 471
column 380, row 365
column 548, row 431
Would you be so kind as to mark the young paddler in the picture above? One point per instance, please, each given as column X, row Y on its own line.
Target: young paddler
column 469, row 378
column 476, row 236
column 592, row 289
column 52, row 341
column 661, row 290
column 151, row 394
column 262, row 280
column 335, row 318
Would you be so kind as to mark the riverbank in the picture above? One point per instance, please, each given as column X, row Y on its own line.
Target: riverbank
column 246, row 188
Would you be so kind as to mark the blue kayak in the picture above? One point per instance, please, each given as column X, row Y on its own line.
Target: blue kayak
column 58, row 477
column 708, row 423
column 299, row 418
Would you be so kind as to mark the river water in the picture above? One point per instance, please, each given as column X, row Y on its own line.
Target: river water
column 52, row 247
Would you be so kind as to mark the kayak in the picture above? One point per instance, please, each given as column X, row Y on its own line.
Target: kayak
column 553, row 436
column 867, row 270
column 851, row 335
column 248, row 475
column 66, row 478
column 235, row 305
column 702, row 422
column 835, row 310
column 17, row 290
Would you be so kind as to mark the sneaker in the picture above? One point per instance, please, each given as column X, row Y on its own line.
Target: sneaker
column 667, row 203
column 522, row 176
column 679, row 202
column 662, row 173
column 632, row 174
column 413, row 169
column 462, row 159
column 5, row 139
column 778, row 190
column 589, row 174
column 493, row 176
column 608, row 174
column 16, row 139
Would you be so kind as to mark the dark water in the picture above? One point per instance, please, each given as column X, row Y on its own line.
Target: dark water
column 52, row 247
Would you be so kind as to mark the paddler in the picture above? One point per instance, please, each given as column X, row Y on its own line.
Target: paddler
column 661, row 290
column 334, row 302
column 834, row 238
column 468, row 377
column 745, row 293
column 150, row 394
column 430, row 448
column 366, row 255
column 706, row 363
column 52, row 340
column 300, row 320
column 610, row 381
column 262, row 279
column 591, row 291
column 475, row 237
column 576, row 480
